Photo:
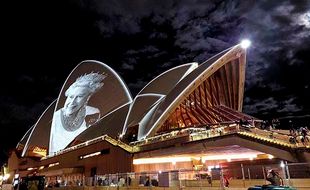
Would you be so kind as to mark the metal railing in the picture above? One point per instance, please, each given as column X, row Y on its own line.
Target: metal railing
column 238, row 176
column 270, row 136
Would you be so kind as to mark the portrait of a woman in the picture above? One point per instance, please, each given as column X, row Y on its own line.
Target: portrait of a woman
column 76, row 115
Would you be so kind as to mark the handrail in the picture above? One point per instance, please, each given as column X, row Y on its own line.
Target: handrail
column 203, row 133
column 197, row 134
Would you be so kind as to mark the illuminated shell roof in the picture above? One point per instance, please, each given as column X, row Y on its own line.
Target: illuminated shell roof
column 154, row 91
column 21, row 144
column 184, row 96
column 39, row 135
column 112, row 99
column 193, row 101
column 111, row 124
column 112, row 95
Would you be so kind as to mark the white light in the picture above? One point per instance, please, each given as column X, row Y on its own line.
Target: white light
column 159, row 171
column 53, row 164
column 229, row 156
column 270, row 156
column 1, row 177
column 160, row 160
column 245, row 43
column 282, row 164
column 6, row 176
column 90, row 155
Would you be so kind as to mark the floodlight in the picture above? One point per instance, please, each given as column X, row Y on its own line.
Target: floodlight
column 245, row 43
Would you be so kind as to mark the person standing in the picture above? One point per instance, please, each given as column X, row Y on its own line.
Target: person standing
column 274, row 178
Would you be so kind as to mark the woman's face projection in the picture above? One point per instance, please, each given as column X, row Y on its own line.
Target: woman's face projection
column 77, row 98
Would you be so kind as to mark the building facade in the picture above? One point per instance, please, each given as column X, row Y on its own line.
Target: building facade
column 188, row 118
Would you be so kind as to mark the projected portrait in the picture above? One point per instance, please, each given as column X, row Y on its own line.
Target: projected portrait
column 76, row 115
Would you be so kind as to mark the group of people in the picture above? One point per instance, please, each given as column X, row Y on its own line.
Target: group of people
column 302, row 132
column 120, row 182
column 53, row 184
column 146, row 181
column 269, row 124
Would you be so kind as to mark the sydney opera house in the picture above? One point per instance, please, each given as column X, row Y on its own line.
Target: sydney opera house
column 189, row 117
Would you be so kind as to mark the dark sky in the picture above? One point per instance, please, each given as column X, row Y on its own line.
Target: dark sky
column 42, row 41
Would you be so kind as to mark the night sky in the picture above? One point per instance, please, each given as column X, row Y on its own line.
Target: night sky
column 42, row 41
